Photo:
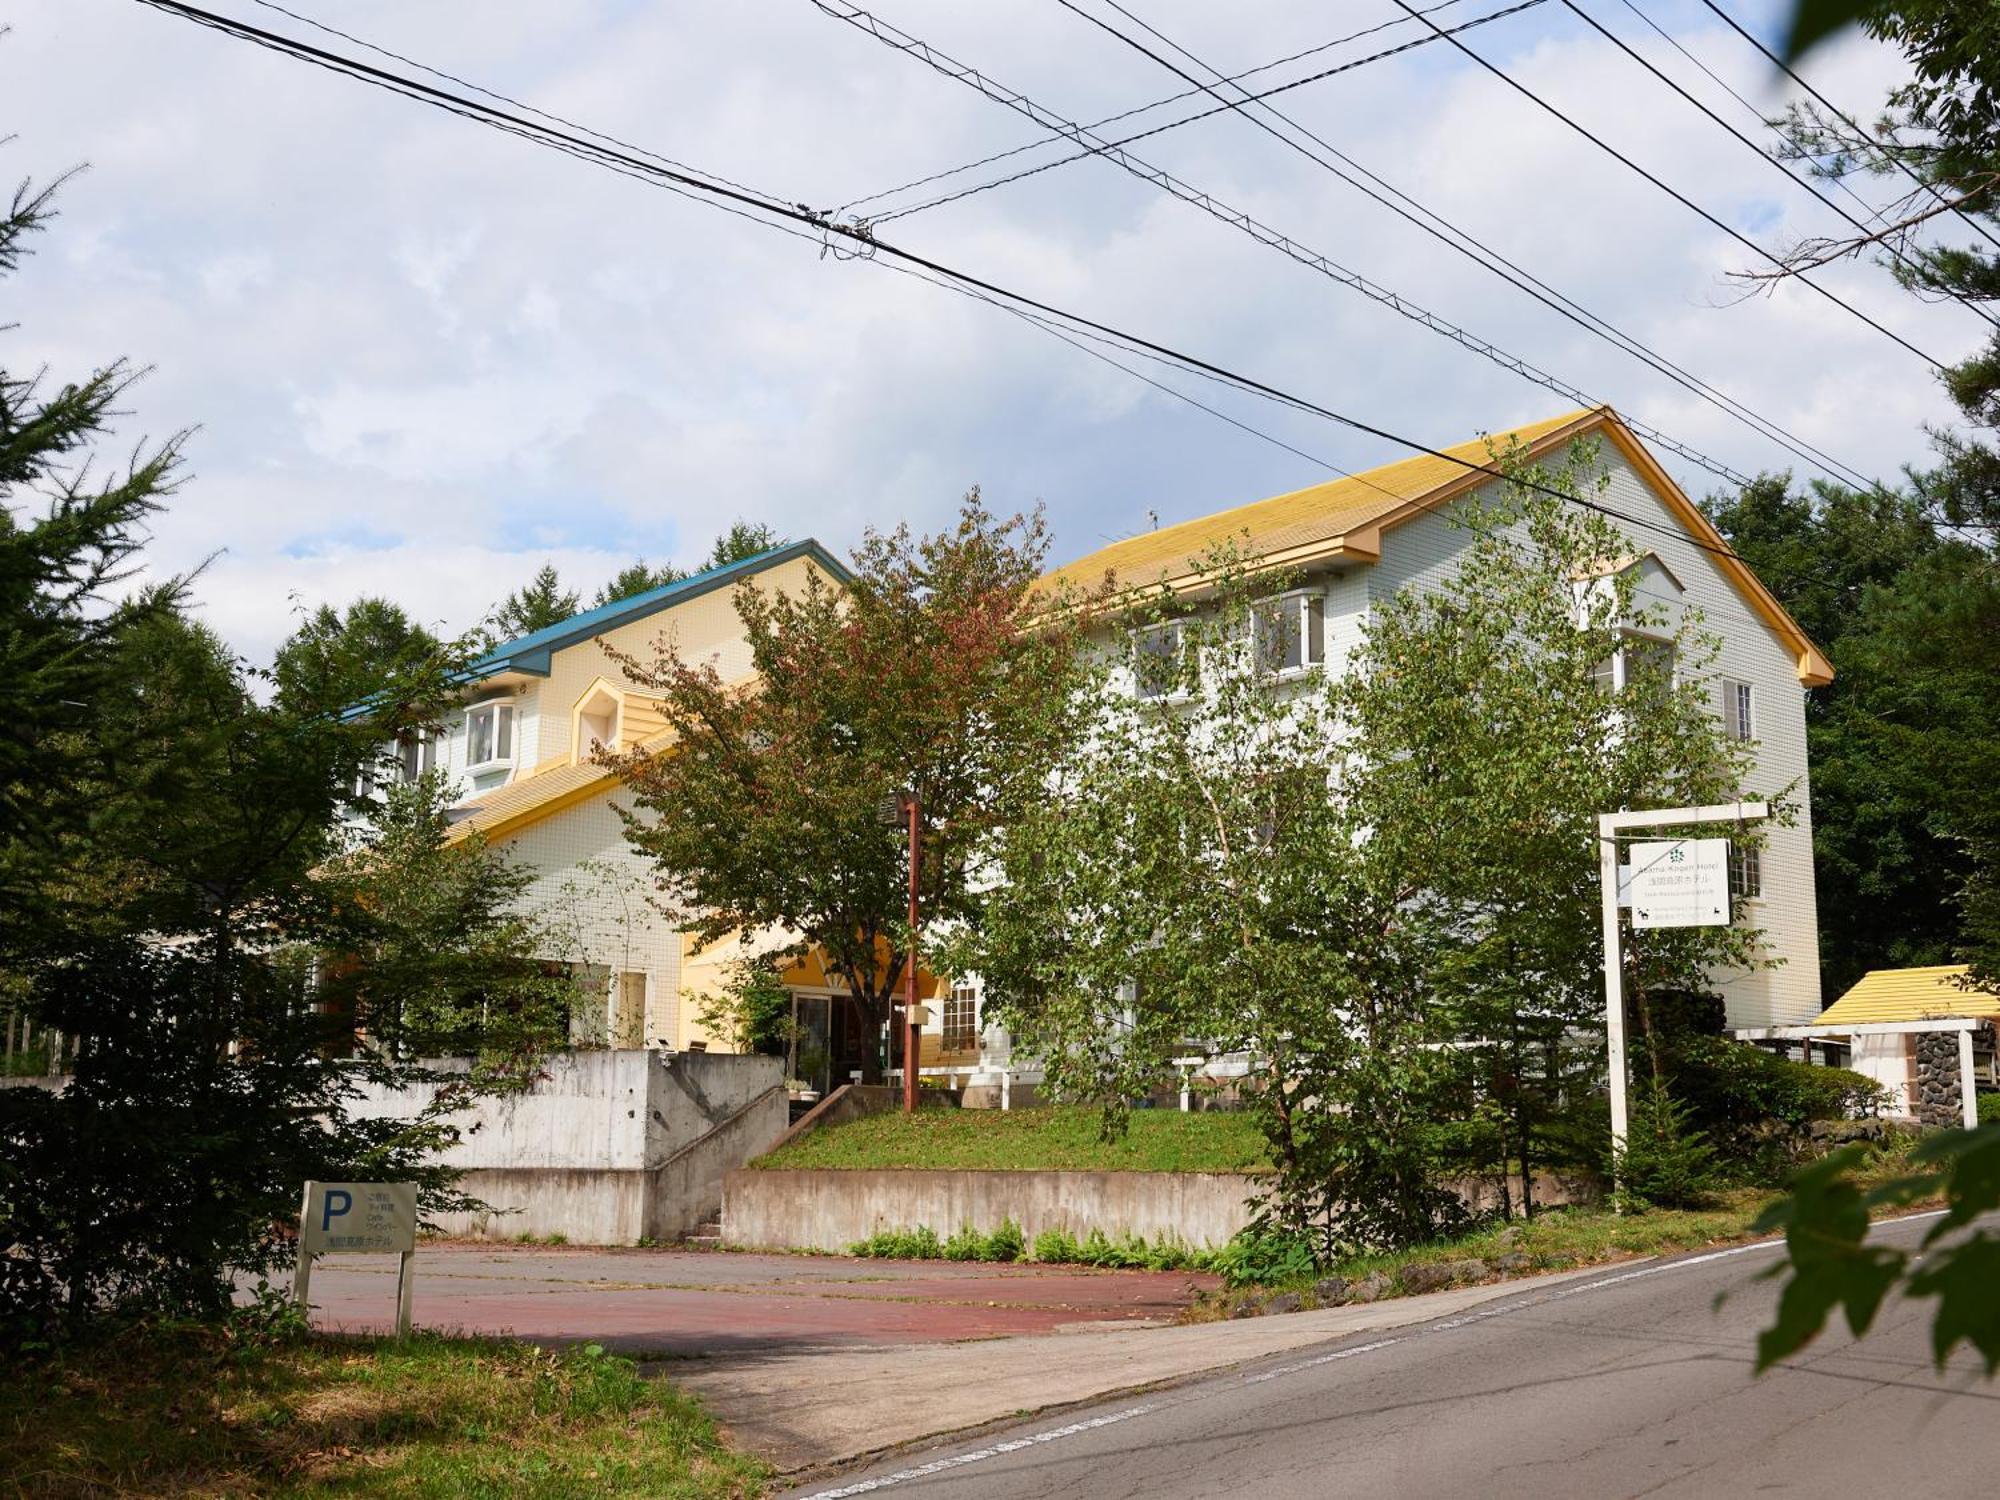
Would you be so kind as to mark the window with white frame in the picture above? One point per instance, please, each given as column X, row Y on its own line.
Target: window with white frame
column 1156, row 653
column 417, row 755
column 489, row 735
column 1739, row 717
column 1640, row 662
column 961, row 1018
column 1290, row 632
column 1746, row 872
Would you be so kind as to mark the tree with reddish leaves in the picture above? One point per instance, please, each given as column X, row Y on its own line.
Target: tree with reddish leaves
column 939, row 668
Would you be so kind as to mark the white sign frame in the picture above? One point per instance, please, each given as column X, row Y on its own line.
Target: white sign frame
column 384, row 1216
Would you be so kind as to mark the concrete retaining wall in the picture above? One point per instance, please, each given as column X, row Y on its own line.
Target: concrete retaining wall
column 597, row 1150
column 825, row 1210
column 831, row 1210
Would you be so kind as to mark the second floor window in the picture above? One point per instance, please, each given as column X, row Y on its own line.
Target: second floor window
column 489, row 735
column 1739, row 720
column 418, row 755
column 1157, row 660
column 1746, row 872
column 1290, row 632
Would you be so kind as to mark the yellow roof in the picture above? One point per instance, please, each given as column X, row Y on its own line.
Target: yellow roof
column 1909, row 995
column 1343, row 520
column 546, row 789
column 1319, row 513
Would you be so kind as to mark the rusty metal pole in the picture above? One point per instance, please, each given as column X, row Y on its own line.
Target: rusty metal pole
column 912, row 1049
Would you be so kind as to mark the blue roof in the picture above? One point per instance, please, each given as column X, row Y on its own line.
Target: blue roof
column 532, row 652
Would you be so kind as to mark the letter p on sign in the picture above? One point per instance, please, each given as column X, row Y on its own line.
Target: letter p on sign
column 337, row 1202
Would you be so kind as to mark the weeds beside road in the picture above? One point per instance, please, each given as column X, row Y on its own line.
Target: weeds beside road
column 214, row 1411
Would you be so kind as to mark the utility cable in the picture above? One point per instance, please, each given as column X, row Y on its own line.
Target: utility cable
column 1483, row 255
column 1849, row 121
column 901, row 41
column 1755, row 150
column 1141, row 109
column 1679, row 197
column 1224, row 108
column 762, row 209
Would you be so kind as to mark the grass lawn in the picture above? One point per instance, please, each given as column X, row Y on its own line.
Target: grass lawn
column 203, row 1411
column 1026, row 1140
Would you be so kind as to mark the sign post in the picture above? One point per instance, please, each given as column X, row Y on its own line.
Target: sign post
column 353, row 1218
column 1673, row 883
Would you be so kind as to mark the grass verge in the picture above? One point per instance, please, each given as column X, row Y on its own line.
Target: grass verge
column 203, row 1410
column 1059, row 1139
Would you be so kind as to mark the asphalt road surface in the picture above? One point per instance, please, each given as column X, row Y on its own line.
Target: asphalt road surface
column 1626, row 1384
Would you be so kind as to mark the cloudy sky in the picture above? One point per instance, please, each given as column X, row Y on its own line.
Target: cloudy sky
column 423, row 356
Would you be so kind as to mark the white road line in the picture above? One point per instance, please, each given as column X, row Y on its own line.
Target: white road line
column 1057, row 1434
column 979, row 1455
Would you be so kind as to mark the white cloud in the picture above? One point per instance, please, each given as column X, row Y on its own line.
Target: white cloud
column 424, row 356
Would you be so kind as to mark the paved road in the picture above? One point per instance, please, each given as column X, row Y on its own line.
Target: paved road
column 721, row 1304
column 1626, row 1384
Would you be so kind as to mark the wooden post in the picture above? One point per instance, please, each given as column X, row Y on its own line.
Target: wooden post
column 302, row 1278
column 1968, row 1093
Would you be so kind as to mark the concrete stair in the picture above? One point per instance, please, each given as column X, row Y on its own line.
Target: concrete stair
column 708, row 1236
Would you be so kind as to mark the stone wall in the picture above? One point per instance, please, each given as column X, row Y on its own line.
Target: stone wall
column 1936, row 1097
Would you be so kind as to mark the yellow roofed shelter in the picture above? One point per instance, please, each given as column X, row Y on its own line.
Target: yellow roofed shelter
column 1890, row 995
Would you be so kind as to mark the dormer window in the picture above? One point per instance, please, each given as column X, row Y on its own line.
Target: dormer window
column 489, row 736
column 597, row 721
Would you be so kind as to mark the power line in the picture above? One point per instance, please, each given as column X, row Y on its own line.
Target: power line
column 1679, row 197
column 1848, row 120
column 1321, row 76
column 1141, row 109
column 1479, row 253
column 1758, row 114
column 1755, row 150
column 750, row 204
column 901, row 41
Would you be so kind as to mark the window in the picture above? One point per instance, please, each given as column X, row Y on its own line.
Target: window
column 489, row 735
column 416, row 755
column 1639, row 663
column 961, row 1019
column 1739, row 721
column 1156, row 660
column 1746, row 872
column 1290, row 632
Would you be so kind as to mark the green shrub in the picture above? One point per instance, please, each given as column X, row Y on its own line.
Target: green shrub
column 1259, row 1256
column 899, row 1244
column 1989, row 1108
column 1754, row 1107
column 965, row 1245
column 1668, row 1161
column 1004, row 1244
column 1056, row 1246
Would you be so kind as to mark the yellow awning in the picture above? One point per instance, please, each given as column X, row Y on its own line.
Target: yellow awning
column 1909, row 995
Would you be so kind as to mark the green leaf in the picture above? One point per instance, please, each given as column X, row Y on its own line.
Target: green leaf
column 1962, row 1277
column 1816, row 20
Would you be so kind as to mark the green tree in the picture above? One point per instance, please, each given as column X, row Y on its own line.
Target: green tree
column 1382, row 886
column 637, row 578
column 1902, row 741
column 742, row 541
column 935, row 670
column 341, row 655
column 536, row 605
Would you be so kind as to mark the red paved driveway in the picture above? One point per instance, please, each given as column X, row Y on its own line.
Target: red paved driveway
column 696, row 1302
